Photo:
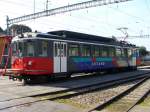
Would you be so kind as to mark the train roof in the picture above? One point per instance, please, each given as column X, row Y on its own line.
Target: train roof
column 74, row 36
column 81, row 36
column 89, row 38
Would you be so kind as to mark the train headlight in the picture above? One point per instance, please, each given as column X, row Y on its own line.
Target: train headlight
column 29, row 63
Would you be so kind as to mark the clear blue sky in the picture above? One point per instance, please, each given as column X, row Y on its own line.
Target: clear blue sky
column 103, row 20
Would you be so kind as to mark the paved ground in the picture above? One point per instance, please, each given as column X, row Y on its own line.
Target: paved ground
column 43, row 106
column 10, row 90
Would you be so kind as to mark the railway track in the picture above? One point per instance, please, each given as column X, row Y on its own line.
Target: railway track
column 75, row 91
column 125, row 101
column 71, row 89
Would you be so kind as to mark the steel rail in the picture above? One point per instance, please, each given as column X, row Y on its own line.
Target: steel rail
column 139, row 100
column 117, row 97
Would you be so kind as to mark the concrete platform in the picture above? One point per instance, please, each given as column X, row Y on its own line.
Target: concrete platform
column 43, row 106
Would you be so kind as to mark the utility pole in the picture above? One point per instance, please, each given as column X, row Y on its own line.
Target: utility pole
column 34, row 7
column 47, row 5
column 7, row 22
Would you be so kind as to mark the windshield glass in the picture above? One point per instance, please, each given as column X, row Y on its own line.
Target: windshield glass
column 17, row 49
column 23, row 48
column 30, row 48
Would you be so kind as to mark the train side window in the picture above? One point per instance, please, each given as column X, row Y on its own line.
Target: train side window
column 125, row 52
column 85, row 50
column 129, row 53
column 118, row 52
column 73, row 50
column 104, row 51
column 111, row 51
column 96, row 51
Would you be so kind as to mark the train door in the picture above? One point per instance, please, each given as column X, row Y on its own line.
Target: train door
column 60, row 57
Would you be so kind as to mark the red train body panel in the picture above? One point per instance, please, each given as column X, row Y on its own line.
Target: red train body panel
column 33, row 66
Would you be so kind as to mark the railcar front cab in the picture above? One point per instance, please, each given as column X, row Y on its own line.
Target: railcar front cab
column 30, row 57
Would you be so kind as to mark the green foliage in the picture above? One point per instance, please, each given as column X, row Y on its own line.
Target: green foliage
column 143, row 51
column 1, row 30
column 19, row 29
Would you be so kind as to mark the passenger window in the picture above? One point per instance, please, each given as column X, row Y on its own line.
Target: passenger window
column 111, row 51
column 129, row 53
column 85, row 50
column 96, row 51
column 104, row 51
column 118, row 52
column 73, row 50
column 125, row 53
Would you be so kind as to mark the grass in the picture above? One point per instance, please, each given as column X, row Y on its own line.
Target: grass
column 73, row 103
column 119, row 106
column 146, row 102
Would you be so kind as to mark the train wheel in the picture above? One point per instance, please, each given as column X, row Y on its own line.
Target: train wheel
column 26, row 80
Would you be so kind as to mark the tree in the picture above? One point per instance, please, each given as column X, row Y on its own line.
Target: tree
column 19, row 29
column 1, row 30
column 143, row 51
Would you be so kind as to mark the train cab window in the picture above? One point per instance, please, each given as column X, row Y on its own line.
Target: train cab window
column 118, row 52
column 104, row 51
column 20, row 49
column 73, row 50
column 43, row 49
column 30, row 48
column 96, row 51
column 14, row 49
column 85, row 50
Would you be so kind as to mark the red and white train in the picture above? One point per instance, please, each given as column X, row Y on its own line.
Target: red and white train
column 62, row 53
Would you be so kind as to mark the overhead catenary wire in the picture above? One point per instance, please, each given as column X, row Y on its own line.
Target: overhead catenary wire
column 64, row 9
